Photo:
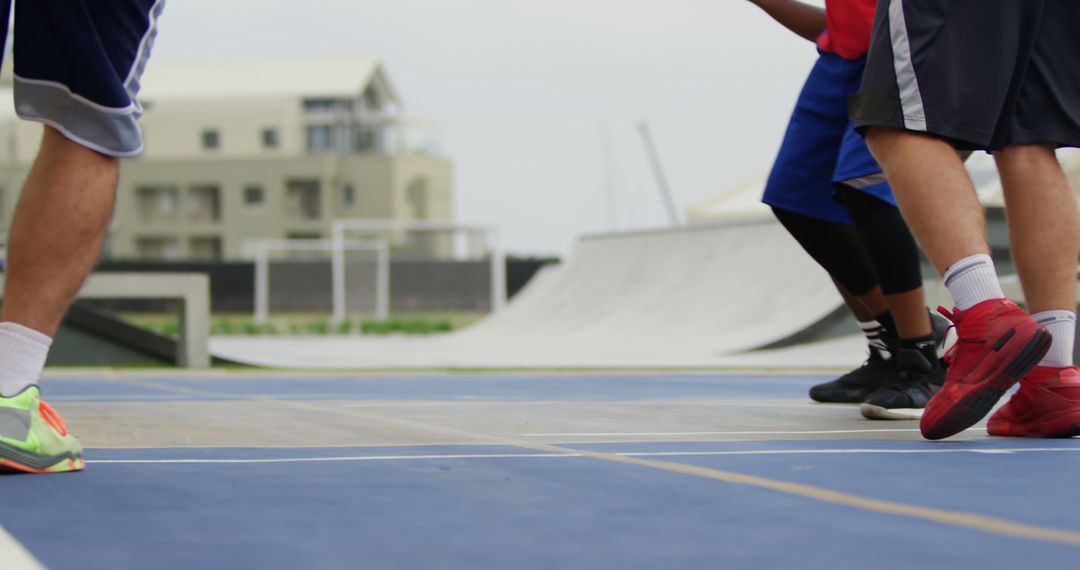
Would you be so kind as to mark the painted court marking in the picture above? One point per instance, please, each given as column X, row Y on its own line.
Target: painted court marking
column 973, row 521
column 15, row 555
column 989, row 524
column 710, row 404
column 680, row 433
column 350, row 458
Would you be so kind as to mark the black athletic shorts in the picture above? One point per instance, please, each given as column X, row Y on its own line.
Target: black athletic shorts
column 983, row 74
column 78, row 64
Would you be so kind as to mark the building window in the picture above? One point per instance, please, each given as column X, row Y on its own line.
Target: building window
column 348, row 195
column 303, row 199
column 204, row 203
column 365, row 139
column 206, row 248
column 211, row 139
column 320, row 138
column 157, row 203
column 327, row 105
column 157, row 248
column 303, row 235
column 254, row 196
column 271, row 138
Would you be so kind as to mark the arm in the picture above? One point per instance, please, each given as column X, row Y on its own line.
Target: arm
column 805, row 20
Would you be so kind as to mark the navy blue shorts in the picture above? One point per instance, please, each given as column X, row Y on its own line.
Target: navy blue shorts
column 77, row 67
column 821, row 150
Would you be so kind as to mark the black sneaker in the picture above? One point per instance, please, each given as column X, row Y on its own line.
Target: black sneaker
column 939, row 326
column 855, row 386
column 916, row 381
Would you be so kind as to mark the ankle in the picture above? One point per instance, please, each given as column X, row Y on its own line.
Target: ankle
column 925, row 346
column 22, row 357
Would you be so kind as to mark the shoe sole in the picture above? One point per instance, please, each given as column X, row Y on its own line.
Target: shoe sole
column 872, row 412
column 13, row 459
column 855, row 399
column 968, row 410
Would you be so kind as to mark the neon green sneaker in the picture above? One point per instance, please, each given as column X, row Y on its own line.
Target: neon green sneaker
column 33, row 437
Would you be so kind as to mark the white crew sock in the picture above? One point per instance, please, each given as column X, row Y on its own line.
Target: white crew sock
column 22, row 357
column 874, row 331
column 1062, row 327
column 973, row 280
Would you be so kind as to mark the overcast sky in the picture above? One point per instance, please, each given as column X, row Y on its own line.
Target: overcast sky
column 525, row 89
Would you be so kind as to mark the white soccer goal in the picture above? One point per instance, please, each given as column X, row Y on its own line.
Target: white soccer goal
column 478, row 242
column 263, row 249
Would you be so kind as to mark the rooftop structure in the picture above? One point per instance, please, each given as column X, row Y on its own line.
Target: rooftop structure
column 243, row 150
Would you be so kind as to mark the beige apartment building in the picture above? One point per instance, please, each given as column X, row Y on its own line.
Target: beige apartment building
column 243, row 150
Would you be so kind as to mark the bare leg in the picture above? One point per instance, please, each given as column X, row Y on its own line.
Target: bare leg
column 1044, row 226
column 908, row 310
column 59, row 225
column 858, row 309
column 935, row 194
column 865, row 307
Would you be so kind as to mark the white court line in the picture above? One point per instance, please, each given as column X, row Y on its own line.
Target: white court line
column 457, row 401
column 15, row 555
column 344, row 458
column 866, row 451
column 132, row 398
column 677, row 433
column 622, row 403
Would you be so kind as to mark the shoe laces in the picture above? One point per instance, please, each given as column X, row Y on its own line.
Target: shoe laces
column 49, row 415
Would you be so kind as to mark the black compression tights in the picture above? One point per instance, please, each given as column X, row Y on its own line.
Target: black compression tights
column 835, row 247
column 886, row 238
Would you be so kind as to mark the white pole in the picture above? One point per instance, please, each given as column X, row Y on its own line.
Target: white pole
column 337, row 277
column 262, row 285
column 658, row 173
column 382, row 284
column 498, row 271
column 609, row 180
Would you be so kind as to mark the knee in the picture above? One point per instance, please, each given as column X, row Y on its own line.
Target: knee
column 860, row 203
column 55, row 144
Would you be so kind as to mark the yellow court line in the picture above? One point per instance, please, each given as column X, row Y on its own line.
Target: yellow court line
column 984, row 523
column 954, row 518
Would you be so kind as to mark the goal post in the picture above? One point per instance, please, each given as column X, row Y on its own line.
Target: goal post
column 476, row 234
column 262, row 250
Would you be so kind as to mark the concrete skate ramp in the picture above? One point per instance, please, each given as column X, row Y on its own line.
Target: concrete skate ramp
column 682, row 297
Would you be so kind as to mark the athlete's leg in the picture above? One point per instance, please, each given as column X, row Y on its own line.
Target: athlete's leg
column 57, row 231
column 878, row 337
column 896, row 260
column 1044, row 227
column 1044, row 232
column 836, row 247
column 860, row 310
column 934, row 193
column 800, row 191
column 84, row 90
column 970, row 76
column 894, row 256
column 999, row 342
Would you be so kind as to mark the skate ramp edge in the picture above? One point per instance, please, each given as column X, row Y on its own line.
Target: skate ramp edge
column 668, row 297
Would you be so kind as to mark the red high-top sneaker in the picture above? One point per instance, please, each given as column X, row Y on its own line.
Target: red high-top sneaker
column 1047, row 405
column 997, row 344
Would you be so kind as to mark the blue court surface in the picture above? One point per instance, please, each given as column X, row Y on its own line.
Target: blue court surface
column 546, row 470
